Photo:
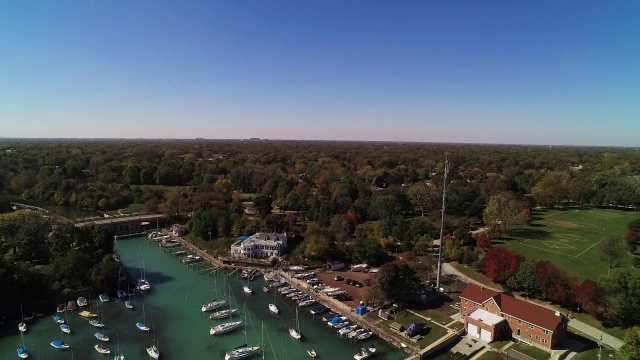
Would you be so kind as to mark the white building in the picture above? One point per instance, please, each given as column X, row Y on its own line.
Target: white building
column 260, row 245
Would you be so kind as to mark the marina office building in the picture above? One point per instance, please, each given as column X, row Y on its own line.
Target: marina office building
column 260, row 245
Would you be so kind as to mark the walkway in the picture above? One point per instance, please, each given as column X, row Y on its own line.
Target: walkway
column 596, row 334
column 449, row 269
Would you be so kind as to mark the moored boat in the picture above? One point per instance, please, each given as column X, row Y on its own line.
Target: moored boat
column 225, row 328
column 141, row 326
column 265, row 289
column 213, row 305
column 87, row 314
column 144, row 285
column 72, row 305
column 365, row 335
column 222, row 314
column 22, row 327
column 59, row 344
column 58, row 319
column 318, row 310
column 365, row 353
column 61, row 308
column 102, row 349
column 104, row 298
column 153, row 352
column 128, row 304
column 306, row 302
column 274, row 309
column 121, row 294
column 97, row 323
column 65, row 328
column 247, row 290
column 101, row 336
column 312, row 353
column 241, row 352
column 22, row 353
column 82, row 301
column 191, row 259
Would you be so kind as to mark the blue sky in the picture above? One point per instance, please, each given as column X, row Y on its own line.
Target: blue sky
column 533, row 72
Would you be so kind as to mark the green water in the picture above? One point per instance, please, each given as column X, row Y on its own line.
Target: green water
column 172, row 307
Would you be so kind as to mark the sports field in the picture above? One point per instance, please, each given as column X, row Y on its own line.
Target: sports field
column 570, row 238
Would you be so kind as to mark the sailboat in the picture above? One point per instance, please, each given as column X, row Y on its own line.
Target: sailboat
column 102, row 349
column 119, row 356
column 222, row 314
column 22, row 326
column 153, row 349
column 244, row 351
column 295, row 332
column 96, row 322
column 143, row 284
column 213, row 304
column 141, row 324
column 128, row 304
column 272, row 307
column 22, row 352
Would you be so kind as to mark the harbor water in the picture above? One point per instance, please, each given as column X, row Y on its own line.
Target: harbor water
column 180, row 329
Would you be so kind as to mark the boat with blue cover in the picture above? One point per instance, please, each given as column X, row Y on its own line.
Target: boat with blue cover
column 59, row 344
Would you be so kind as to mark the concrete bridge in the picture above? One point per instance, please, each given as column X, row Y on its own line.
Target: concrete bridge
column 127, row 224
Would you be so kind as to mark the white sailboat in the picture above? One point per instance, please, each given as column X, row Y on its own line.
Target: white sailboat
column 272, row 307
column 244, row 351
column 143, row 284
column 119, row 355
column 141, row 324
column 295, row 332
column 153, row 350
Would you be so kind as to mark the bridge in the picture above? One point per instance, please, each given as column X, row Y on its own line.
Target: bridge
column 127, row 224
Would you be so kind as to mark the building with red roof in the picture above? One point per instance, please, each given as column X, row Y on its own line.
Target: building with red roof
column 491, row 315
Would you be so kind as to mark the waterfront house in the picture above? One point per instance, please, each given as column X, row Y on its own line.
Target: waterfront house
column 178, row 230
column 260, row 245
column 491, row 315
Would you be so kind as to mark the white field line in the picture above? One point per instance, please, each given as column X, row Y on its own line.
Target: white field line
column 587, row 249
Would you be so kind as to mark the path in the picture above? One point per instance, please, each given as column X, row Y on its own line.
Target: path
column 596, row 334
column 449, row 269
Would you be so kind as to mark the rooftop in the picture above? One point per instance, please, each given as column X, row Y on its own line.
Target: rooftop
column 485, row 317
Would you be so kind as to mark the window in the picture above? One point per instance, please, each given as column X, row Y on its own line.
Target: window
column 530, row 326
column 546, row 332
column 529, row 335
column 519, row 321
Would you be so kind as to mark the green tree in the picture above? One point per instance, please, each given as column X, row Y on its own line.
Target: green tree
column 551, row 189
column 612, row 251
column 263, row 204
column 399, row 282
column 525, row 279
column 104, row 275
column 622, row 286
column 502, row 212
column 424, row 196
column 452, row 248
column 632, row 343
column 369, row 250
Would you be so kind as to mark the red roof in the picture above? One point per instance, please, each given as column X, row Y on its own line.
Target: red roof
column 523, row 310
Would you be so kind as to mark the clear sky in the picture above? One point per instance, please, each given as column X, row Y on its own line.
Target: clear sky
column 534, row 72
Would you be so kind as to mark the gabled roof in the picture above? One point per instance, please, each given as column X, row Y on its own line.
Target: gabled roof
column 509, row 305
column 477, row 294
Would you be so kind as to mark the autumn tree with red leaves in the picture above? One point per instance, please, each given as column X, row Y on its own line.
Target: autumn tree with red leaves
column 591, row 298
column 483, row 241
column 499, row 264
column 555, row 284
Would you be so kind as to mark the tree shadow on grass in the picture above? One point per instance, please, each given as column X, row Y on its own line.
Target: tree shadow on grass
column 526, row 234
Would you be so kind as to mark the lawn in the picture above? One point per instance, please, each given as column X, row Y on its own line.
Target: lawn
column 132, row 208
column 490, row 355
column 570, row 238
column 434, row 315
column 214, row 247
column 530, row 351
column 431, row 332
column 473, row 274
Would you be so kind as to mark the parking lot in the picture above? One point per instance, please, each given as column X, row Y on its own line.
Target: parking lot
column 356, row 293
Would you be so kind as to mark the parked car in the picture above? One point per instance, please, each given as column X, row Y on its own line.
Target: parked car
column 348, row 282
column 338, row 278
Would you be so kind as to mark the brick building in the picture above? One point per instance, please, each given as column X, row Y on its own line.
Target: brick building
column 490, row 315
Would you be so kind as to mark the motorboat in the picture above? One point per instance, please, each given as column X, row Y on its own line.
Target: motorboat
column 97, row 323
column 153, row 352
column 265, row 289
column 191, row 259
column 213, row 305
column 241, row 352
column 143, row 285
column 305, row 303
column 119, row 357
column 274, row 309
column 247, row 290
column 295, row 334
column 312, row 353
column 222, row 314
column 121, row 294
column 58, row 319
column 365, row 353
column 347, row 329
column 22, row 353
column 365, row 335
column 72, row 305
column 82, row 301
column 101, row 336
column 102, row 349
column 104, row 298
column 341, row 324
column 61, row 308
column 318, row 310
column 356, row 333
column 22, row 326
column 128, row 304
column 87, row 314
column 65, row 328
column 336, row 320
column 225, row 328
column 59, row 344
column 142, row 327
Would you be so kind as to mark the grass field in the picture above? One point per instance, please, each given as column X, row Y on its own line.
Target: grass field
column 570, row 238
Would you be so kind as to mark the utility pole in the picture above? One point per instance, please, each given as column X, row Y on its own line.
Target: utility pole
column 444, row 195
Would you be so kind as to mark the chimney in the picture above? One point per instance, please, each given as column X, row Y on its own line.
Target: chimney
column 481, row 288
column 557, row 313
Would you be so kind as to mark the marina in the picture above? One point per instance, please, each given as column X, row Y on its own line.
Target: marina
column 180, row 329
